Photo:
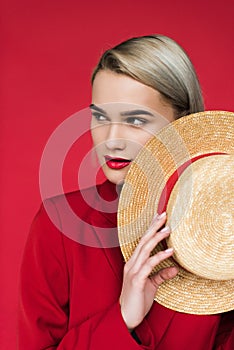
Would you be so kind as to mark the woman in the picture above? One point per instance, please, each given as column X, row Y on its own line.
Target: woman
column 76, row 296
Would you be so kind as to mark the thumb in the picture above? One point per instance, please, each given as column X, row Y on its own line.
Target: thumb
column 164, row 275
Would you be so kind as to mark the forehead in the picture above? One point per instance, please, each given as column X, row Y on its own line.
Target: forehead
column 112, row 87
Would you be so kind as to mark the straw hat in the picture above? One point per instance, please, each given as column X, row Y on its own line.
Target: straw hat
column 187, row 170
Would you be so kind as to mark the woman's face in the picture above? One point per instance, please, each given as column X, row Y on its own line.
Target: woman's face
column 125, row 115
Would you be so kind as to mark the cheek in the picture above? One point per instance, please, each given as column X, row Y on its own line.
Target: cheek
column 135, row 145
column 98, row 143
column 97, row 136
column 94, row 137
column 145, row 139
column 142, row 137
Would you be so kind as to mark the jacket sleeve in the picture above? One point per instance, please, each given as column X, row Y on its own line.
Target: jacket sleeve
column 44, row 301
column 225, row 334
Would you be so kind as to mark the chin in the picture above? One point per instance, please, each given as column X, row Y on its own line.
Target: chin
column 115, row 180
column 116, row 177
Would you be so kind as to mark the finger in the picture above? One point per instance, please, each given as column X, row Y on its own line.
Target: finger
column 153, row 261
column 164, row 275
column 157, row 223
column 145, row 250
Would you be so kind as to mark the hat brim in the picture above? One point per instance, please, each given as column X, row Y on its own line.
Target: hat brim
column 188, row 137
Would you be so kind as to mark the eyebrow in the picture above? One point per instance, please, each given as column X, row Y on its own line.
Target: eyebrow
column 136, row 112
column 96, row 108
column 126, row 113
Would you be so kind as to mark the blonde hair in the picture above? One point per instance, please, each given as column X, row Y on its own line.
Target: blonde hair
column 159, row 62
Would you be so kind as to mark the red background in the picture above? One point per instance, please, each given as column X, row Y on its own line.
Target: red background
column 48, row 50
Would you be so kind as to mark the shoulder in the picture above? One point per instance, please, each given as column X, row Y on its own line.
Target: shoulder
column 80, row 202
column 76, row 216
column 78, row 213
column 84, row 201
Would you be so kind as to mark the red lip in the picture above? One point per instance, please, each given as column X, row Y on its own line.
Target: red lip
column 116, row 163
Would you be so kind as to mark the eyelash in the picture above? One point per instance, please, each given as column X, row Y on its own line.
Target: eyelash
column 99, row 116
column 134, row 121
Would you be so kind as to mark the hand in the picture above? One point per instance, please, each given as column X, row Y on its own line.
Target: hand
column 139, row 289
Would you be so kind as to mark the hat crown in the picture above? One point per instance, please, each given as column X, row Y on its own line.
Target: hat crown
column 201, row 216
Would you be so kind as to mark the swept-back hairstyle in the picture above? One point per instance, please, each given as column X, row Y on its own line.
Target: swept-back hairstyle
column 159, row 62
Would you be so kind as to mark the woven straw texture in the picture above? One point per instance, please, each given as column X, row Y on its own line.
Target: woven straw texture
column 200, row 210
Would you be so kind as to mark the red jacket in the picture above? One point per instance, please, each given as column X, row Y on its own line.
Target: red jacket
column 69, row 291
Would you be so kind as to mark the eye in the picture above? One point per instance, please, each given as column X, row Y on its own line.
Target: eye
column 136, row 121
column 99, row 117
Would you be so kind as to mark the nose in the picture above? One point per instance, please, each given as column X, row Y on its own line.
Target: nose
column 115, row 139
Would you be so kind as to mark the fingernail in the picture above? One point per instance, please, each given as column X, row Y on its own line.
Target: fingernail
column 165, row 229
column 169, row 250
column 161, row 216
